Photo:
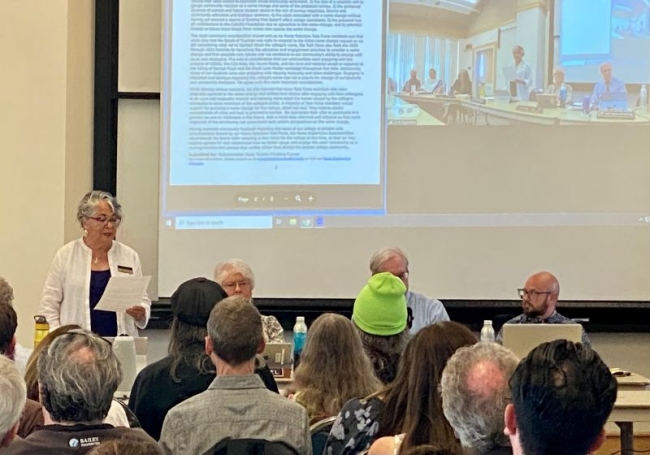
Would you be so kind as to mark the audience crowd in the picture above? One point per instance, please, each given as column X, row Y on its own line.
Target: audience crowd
column 397, row 378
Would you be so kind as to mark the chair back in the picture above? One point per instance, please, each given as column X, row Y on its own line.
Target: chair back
column 251, row 447
column 532, row 96
column 319, row 433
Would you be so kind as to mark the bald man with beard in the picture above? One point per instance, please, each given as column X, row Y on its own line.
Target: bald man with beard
column 539, row 298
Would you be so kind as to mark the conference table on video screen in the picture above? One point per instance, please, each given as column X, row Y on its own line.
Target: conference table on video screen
column 515, row 112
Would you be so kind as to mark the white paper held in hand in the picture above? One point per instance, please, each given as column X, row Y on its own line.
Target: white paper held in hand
column 122, row 293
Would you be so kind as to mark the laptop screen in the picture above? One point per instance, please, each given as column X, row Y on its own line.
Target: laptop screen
column 613, row 101
column 523, row 338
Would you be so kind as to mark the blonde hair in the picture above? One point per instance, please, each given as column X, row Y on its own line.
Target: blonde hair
column 333, row 367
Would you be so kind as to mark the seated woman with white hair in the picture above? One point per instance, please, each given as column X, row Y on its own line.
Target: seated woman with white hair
column 237, row 278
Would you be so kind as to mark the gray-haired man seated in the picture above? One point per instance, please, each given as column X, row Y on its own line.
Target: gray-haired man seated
column 237, row 405
column 422, row 310
column 78, row 375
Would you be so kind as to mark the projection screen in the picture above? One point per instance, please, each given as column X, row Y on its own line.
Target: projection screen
column 489, row 139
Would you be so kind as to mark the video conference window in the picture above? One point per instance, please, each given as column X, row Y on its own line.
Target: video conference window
column 483, row 71
column 324, row 113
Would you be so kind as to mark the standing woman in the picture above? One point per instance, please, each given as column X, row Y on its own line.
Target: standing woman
column 81, row 269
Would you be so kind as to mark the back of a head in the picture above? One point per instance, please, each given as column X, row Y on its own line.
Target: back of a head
column 127, row 446
column 235, row 330
column 78, row 375
column 475, row 392
column 432, row 449
column 333, row 366
column 191, row 305
column 8, row 324
column 413, row 404
column 31, row 370
column 12, row 399
column 6, row 292
column 380, row 307
column 562, row 394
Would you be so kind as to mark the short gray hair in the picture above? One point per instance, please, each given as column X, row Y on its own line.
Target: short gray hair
column 78, row 375
column 382, row 256
column 13, row 396
column 88, row 205
column 235, row 329
column 475, row 411
column 6, row 292
column 236, row 266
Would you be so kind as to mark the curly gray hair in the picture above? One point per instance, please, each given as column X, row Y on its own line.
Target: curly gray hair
column 88, row 205
column 475, row 408
column 236, row 266
column 13, row 396
column 78, row 375
column 6, row 292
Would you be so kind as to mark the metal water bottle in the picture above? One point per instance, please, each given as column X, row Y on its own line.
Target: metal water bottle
column 41, row 329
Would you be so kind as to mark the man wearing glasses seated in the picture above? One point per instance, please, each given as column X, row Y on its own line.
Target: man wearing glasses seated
column 538, row 301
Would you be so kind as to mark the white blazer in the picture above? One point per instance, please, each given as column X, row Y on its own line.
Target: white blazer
column 66, row 294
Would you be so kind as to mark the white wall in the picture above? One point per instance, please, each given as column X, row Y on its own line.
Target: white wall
column 45, row 135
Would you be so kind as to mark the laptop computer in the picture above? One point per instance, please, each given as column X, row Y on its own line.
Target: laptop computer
column 546, row 100
column 613, row 101
column 523, row 338
column 278, row 357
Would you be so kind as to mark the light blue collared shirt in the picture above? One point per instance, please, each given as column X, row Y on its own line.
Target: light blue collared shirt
column 434, row 86
column 615, row 86
column 424, row 310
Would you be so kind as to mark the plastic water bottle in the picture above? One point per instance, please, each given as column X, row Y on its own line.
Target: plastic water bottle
column 487, row 332
column 299, row 338
column 563, row 95
column 643, row 98
column 41, row 329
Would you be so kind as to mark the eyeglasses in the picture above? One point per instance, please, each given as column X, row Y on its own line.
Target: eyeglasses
column 530, row 294
column 115, row 221
column 236, row 284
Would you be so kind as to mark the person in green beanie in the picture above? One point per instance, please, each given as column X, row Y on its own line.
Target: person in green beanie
column 380, row 315
column 422, row 310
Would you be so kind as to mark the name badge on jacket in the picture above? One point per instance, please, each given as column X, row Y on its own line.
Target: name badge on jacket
column 125, row 269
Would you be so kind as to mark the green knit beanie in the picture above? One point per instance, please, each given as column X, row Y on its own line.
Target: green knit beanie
column 380, row 307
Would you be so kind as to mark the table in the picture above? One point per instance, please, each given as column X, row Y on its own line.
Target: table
column 549, row 116
column 402, row 111
column 633, row 382
column 632, row 406
column 422, row 119
column 508, row 111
